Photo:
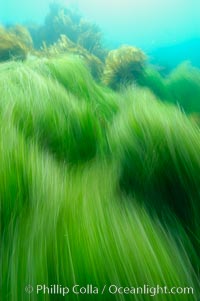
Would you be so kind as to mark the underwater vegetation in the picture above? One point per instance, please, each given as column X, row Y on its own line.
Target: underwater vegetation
column 123, row 66
column 183, row 85
column 65, row 46
column 63, row 21
column 99, row 166
column 15, row 43
column 195, row 118
column 158, row 150
column 96, row 186
column 58, row 126
column 72, row 73
column 127, row 66
column 152, row 79
column 22, row 33
column 59, row 20
column 66, row 32
column 91, row 38
column 58, row 94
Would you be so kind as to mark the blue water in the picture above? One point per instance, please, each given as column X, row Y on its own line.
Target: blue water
column 149, row 24
column 142, row 22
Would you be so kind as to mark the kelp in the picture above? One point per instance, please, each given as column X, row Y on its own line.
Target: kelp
column 65, row 21
column 91, row 39
column 22, row 34
column 11, row 46
column 123, row 66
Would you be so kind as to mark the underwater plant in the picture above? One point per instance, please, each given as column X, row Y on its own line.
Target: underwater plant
column 11, row 46
column 123, row 66
column 69, row 224
column 153, row 80
column 183, row 85
column 59, row 21
column 78, row 163
column 22, row 34
column 63, row 21
column 72, row 73
column 158, row 150
column 91, row 38
column 60, row 124
column 195, row 118
column 65, row 46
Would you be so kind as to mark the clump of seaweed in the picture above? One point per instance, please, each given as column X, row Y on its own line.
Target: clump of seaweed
column 64, row 21
column 65, row 46
column 123, row 66
column 59, row 21
column 22, row 34
column 90, row 38
column 11, row 46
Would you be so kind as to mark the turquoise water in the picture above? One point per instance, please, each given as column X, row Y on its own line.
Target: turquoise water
column 146, row 23
column 168, row 31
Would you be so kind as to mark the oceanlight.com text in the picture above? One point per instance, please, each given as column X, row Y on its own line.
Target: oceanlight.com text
column 112, row 289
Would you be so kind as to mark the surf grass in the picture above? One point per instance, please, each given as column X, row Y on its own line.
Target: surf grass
column 45, row 112
column 158, row 150
column 153, row 80
column 73, row 229
column 67, row 226
column 183, row 85
column 71, row 72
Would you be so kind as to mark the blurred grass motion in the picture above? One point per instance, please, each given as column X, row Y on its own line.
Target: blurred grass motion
column 96, row 187
column 184, row 87
column 158, row 149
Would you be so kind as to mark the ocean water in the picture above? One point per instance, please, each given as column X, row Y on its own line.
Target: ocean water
column 166, row 30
